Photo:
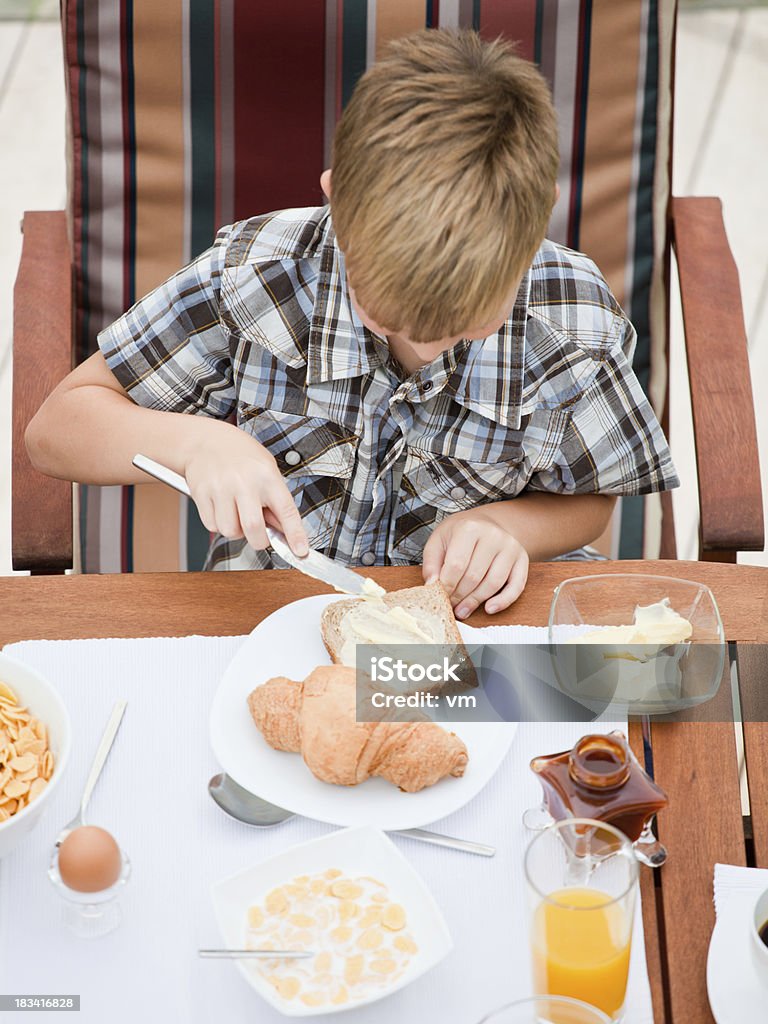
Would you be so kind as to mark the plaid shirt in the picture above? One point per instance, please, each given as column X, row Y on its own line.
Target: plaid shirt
column 260, row 327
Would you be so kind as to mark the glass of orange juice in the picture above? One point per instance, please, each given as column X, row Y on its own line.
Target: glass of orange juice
column 582, row 884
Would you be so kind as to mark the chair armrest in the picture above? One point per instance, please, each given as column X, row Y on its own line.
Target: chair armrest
column 41, row 516
column 727, row 460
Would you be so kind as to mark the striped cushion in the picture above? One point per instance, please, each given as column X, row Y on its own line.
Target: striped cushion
column 188, row 114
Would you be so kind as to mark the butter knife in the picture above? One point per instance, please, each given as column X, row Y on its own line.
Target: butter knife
column 314, row 564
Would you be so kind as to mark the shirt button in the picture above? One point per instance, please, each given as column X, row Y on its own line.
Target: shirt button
column 457, row 493
column 368, row 558
column 292, row 458
column 426, row 386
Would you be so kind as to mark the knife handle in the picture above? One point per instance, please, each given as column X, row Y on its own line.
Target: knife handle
column 177, row 481
column 308, row 564
column 162, row 473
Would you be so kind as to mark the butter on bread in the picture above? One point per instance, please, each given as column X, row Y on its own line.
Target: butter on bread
column 415, row 615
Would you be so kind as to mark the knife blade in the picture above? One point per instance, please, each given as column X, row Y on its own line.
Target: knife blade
column 313, row 564
column 320, row 567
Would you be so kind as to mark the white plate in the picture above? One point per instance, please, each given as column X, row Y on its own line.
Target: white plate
column 736, row 993
column 288, row 643
column 359, row 851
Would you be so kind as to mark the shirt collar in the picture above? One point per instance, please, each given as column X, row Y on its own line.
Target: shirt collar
column 484, row 376
column 340, row 345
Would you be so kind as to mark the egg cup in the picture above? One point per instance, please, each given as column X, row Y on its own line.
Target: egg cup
column 90, row 914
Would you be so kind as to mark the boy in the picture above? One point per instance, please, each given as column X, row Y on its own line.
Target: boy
column 416, row 375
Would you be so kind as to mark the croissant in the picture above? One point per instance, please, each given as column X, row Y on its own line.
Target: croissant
column 316, row 718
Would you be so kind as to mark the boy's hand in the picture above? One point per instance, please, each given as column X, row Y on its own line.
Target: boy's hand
column 477, row 561
column 237, row 487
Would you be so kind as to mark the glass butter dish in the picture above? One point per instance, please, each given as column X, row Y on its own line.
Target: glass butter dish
column 636, row 644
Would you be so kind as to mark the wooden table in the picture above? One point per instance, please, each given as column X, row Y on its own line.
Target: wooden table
column 694, row 762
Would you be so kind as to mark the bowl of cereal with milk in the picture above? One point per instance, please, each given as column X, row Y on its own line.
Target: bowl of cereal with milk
column 34, row 749
column 353, row 900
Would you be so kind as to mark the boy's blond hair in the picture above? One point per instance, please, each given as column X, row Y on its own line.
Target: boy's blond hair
column 444, row 170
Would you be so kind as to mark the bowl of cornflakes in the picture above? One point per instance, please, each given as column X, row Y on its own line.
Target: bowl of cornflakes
column 35, row 737
column 354, row 901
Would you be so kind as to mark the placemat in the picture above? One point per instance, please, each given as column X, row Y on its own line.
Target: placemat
column 153, row 798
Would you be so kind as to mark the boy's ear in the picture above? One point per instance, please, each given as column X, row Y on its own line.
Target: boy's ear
column 325, row 182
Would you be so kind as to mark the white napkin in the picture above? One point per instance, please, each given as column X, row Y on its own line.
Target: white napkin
column 518, row 634
column 153, row 798
column 503, row 634
column 737, row 990
column 737, row 888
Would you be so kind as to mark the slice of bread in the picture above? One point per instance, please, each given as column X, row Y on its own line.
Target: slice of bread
column 430, row 599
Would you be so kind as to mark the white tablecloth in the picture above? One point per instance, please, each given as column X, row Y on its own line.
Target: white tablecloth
column 153, row 798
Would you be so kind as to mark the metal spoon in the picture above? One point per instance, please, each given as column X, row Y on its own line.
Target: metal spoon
column 250, row 809
column 243, row 806
column 98, row 763
column 255, row 954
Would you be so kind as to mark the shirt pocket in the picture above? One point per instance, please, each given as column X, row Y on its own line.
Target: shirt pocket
column 316, row 458
column 435, row 486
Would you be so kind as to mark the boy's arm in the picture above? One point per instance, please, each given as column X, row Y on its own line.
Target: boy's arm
column 482, row 554
column 89, row 429
column 610, row 443
column 548, row 524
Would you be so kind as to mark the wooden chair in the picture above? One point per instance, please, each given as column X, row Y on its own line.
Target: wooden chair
column 185, row 116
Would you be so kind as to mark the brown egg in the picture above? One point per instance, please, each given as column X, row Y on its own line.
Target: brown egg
column 89, row 859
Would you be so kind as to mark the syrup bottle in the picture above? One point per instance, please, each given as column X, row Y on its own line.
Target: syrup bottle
column 601, row 778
